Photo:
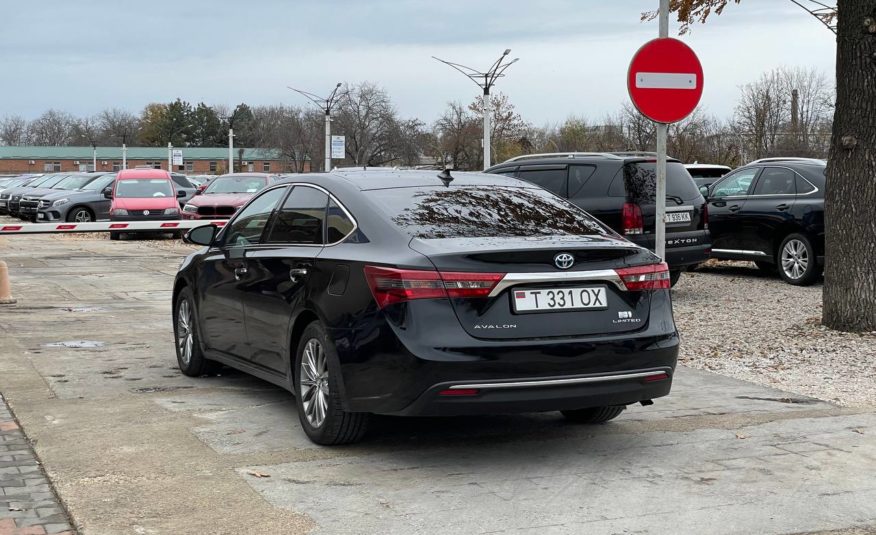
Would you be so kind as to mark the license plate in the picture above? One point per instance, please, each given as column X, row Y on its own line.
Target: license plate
column 678, row 217
column 546, row 299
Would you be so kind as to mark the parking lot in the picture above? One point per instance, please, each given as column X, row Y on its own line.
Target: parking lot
column 133, row 446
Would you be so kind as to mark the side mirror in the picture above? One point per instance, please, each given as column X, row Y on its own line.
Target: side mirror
column 180, row 193
column 705, row 191
column 108, row 192
column 199, row 191
column 201, row 235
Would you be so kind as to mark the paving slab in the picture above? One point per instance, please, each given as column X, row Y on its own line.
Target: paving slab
column 133, row 446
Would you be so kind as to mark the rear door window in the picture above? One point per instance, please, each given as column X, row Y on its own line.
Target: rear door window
column 482, row 212
column 552, row 179
column 803, row 186
column 775, row 181
column 640, row 179
column 579, row 175
column 300, row 220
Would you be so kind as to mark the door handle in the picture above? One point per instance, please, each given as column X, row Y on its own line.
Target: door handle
column 782, row 206
column 240, row 272
column 734, row 208
column 296, row 273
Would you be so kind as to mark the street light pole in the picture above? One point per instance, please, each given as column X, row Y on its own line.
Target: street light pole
column 124, row 151
column 325, row 104
column 169, row 156
column 231, row 150
column 485, row 80
column 93, row 156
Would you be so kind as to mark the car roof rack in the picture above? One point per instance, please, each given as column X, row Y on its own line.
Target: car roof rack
column 788, row 159
column 569, row 155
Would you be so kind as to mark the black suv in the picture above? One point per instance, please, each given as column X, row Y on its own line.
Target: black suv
column 771, row 212
column 619, row 190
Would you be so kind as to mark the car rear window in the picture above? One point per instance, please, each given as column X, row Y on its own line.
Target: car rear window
column 640, row 182
column 479, row 212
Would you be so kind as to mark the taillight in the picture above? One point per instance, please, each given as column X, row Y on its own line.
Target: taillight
column 705, row 217
column 389, row 285
column 632, row 218
column 650, row 277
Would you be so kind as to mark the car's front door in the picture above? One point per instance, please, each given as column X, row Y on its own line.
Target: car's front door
column 726, row 199
column 224, row 278
column 280, row 271
column 768, row 208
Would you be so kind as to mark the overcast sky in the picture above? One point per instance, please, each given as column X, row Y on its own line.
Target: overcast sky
column 87, row 55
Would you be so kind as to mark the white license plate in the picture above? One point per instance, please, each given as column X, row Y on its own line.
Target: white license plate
column 591, row 297
column 678, row 217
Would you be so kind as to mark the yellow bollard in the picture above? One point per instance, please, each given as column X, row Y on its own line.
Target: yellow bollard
column 5, row 288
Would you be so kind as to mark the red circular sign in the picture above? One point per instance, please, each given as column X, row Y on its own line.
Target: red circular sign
column 665, row 80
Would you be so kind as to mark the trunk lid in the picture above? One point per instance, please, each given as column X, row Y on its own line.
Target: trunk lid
column 531, row 265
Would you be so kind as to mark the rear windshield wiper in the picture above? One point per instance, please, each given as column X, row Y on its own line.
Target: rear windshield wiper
column 677, row 199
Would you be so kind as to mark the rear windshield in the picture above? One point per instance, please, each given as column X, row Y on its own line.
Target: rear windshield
column 143, row 188
column 640, row 180
column 236, row 184
column 707, row 172
column 479, row 212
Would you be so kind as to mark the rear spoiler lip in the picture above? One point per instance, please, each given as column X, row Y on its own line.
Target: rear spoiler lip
column 598, row 275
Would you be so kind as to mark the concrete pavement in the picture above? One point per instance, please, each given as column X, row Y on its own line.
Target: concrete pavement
column 135, row 447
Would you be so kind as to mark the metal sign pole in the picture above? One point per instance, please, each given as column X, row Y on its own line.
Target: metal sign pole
column 662, row 132
column 328, row 140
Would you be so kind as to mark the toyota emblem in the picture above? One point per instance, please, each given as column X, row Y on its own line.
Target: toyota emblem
column 145, row 212
column 564, row 260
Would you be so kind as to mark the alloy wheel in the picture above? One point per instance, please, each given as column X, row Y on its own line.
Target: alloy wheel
column 82, row 216
column 795, row 259
column 184, row 332
column 314, row 383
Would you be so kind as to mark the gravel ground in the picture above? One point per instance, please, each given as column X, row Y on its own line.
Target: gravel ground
column 735, row 321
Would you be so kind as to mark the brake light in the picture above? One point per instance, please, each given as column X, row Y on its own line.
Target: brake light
column 632, row 218
column 705, row 217
column 390, row 286
column 650, row 277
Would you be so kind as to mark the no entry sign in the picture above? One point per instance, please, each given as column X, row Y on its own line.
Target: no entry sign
column 665, row 80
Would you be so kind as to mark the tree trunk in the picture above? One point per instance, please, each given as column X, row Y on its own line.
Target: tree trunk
column 850, row 199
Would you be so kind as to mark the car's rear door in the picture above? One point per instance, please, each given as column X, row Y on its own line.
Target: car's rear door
column 551, row 177
column 767, row 208
column 225, row 279
column 280, row 270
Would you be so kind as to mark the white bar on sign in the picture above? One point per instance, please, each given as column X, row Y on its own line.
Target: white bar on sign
column 665, row 80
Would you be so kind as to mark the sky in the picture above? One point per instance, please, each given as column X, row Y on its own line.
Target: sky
column 89, row 55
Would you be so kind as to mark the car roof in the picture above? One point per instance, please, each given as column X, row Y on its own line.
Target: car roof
column 706, row 166
column 566, row 157
column 397, row 178
column 142, row 173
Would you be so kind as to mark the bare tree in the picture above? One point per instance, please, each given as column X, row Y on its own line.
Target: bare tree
column 52, row 128
column 366, row 117
column 458, row 136
column 117, row 126
column 13, row 130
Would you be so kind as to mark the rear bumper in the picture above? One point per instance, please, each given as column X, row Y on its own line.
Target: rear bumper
column 543, row 394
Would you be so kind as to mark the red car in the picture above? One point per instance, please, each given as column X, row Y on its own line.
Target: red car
column 225, row 194
column 142, row 195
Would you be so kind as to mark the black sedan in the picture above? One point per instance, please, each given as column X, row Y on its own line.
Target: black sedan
column 406, row 293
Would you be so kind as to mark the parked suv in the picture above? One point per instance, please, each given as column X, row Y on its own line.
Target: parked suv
column 771, row 212
column 619, row 190
column 30, row 202
column 143, row 195
column 80, row 205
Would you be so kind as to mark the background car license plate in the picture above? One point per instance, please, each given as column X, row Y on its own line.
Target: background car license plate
column 678, row 217
column 591, row 297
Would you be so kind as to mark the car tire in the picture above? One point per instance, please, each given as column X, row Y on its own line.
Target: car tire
column 674, row 275
column 189, row 356
column 594, row 415
column 115, row 235
column 796, row 261
column 80, row 215
column 316, row 385
column 767, row 268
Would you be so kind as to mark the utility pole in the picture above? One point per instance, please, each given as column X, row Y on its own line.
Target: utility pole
column 662, row 134
column 124, row 152
column 93, row 156
column 325, row 104
column 230, row 150
column 169, row 156
column 485, row 80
